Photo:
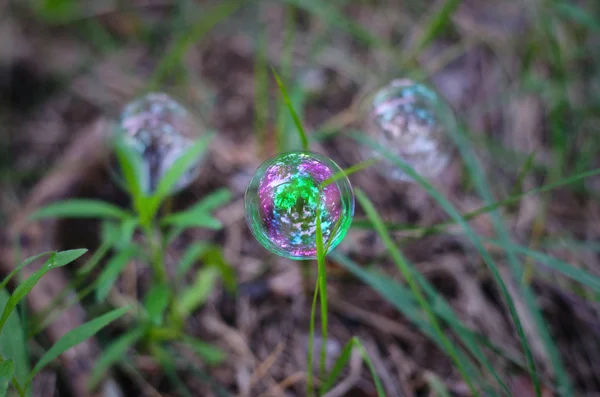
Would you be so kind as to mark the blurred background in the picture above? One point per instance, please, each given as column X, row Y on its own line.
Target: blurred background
column 523, row 78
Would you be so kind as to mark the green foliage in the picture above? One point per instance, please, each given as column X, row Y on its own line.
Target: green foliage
column 56, row 260
column 409, row 277
column 7, row 371
column 17, row 269
column 341, row 362
column 196, row 294
column 210, row 354
column 80, row 208
column 111, row 272
column 114, row 353
column 156, row 302
column 13, row 343
column 75, row 337
column 117, row 231
column 178, row 169
column 476, row 240
column 297, row 122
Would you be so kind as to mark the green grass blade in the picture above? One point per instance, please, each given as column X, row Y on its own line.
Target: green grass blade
column 181, row 165
column 365, row 356
column 404, row 301
column 295, row 118
column 311, row 342
column 402, row 265
column 214, row 257
column 476, row 240
column 490, row 207
column 167, row 362
column 437, row 23
column 111, row 272
column 338, row 366
column 130, row 163
column 322, row 277
column 56, row 260
column 261, row 91
column 436, row 384
column 210, row 354
column 484, row 190
column 7, row 371
column 198, row 292
column 564, row 268
column 75, row 337
column 189, row 219
column 203, row 377
column 198, row 215
column 13, row 343
column 198, row 30
column 189, row 257
column 113, row 354
column 577, row 14
column 289, row 38
column 26, row 262
column 156, row 302
column 342, row 361
column 212, row 201
column 332, row 17
column 80, row 208
column 348, row 171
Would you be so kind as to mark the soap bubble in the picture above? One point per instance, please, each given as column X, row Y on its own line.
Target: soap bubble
column 405, row 118
column 160, row 130
column 284, row 196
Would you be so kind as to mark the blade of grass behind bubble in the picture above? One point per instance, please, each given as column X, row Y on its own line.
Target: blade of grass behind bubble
column 401, row 264
column 295, row 118
column 477, row 242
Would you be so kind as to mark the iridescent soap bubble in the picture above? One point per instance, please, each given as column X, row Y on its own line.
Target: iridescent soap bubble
column 160, row 130
column 408, row 119
column 284, row 197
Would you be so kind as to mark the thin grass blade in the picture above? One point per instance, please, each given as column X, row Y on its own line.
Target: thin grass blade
column 113, row 354
column 295, row 118
column 7, row 371
column 75, row 337
column 80, row 208
column 407, row 273
column 56, row 260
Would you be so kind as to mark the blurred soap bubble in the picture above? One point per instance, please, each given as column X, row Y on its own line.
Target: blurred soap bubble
column 160, row 130
column 409, row 120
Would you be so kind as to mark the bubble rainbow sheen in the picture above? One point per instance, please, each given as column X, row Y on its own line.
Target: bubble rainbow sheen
column 404, row 117
column 284, row 197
